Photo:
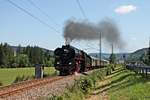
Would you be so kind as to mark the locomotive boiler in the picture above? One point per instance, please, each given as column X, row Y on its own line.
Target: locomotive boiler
column 69, row 60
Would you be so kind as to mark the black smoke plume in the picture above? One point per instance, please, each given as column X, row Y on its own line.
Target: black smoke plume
column 84, row 30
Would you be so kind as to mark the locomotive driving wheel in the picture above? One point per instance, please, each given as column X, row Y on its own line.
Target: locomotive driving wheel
column 63, row 73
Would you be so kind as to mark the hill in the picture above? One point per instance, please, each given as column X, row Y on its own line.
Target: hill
column 137, row 54
column 15, row 48
column 107, row 55
column 129, row 56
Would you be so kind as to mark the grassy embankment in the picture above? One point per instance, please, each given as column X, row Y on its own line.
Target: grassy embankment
column 9, row 75
column 83, row 86
column 122, row 84
column 128, row 85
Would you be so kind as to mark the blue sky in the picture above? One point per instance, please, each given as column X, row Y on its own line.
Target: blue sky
column 17, row 27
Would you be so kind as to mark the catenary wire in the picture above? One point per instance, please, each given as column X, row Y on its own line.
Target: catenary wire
column 43, row 12
column 81, row 9
column 30, row 14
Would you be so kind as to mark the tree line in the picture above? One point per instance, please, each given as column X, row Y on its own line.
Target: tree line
column 145, row 58
column 24, row 56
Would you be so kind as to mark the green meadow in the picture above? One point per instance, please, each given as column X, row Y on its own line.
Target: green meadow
column 127, row 85
column 8, row 75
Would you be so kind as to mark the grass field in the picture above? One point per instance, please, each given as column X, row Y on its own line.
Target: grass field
column 122, row 84
column 8, row 75
column 126, row 85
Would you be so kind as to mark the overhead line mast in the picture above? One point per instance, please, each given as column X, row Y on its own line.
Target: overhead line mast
column 149, row 50
column 100, row 47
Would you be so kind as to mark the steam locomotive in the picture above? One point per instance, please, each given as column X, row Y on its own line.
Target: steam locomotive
column 69, row 60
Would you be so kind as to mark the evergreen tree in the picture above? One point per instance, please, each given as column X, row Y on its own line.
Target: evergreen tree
column 6, row 54
column 2, row 56
column 22, row 60
column 112, row 58
column 19, row 49
column 145, row 58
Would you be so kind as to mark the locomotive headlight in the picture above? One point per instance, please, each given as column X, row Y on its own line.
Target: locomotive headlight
column 70, row 63
column 58, row 63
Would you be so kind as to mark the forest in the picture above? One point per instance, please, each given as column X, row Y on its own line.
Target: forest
column 24, row 56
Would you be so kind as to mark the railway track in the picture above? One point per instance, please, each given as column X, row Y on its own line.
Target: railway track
column 26, row 85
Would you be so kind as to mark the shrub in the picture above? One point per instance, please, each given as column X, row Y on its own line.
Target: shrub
column 109, row 68
column 85, row 84
column 56, row 98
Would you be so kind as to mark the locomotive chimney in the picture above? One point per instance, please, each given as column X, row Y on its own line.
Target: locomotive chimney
column 67, row 41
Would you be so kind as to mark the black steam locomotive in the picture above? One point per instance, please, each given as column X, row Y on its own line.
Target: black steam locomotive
column 69, row 60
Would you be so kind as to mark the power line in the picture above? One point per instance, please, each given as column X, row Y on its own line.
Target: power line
column 91, row 47
column 44, row 13
column 36, row 18
column 81, row 9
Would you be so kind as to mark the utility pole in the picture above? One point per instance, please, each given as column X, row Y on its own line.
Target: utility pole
column 112, row 52
column 112, row 49
column 100, row 48
column 149, row 50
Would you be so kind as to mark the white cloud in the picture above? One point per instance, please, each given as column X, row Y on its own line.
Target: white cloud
column 124, row 9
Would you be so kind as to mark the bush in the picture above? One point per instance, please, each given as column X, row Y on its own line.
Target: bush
column 56, row 98
column 85, row 84
column 109, row 68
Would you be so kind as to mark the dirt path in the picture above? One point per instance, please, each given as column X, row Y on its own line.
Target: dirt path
column 101, row 93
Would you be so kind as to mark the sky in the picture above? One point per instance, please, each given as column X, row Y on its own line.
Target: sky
column 17, row 27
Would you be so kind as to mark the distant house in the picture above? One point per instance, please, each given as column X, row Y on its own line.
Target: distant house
column 96, row 61
column 120, row 61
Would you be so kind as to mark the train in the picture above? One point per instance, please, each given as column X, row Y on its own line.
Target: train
column 69, row 60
